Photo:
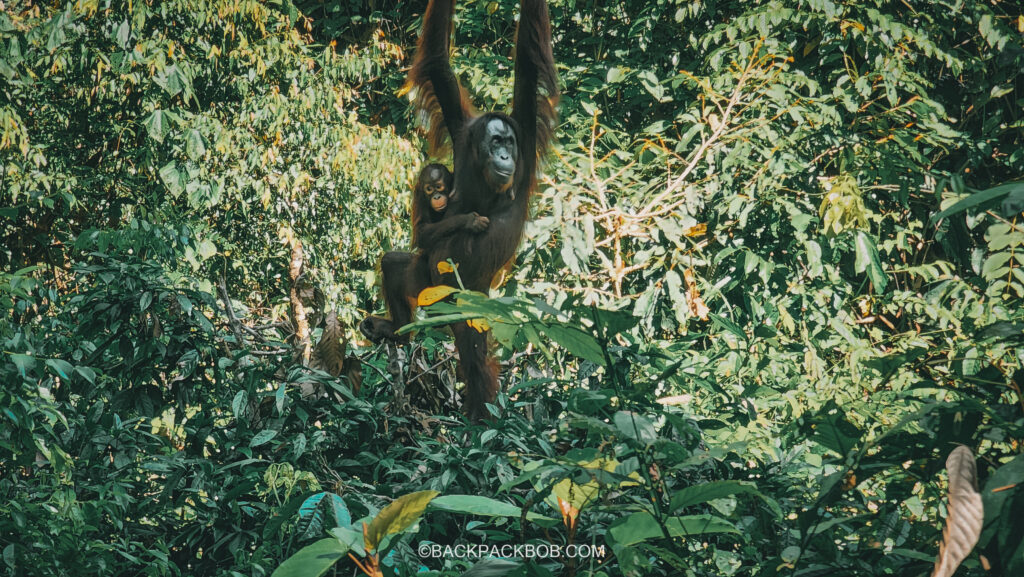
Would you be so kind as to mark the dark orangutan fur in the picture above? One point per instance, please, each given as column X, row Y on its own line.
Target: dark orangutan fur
column 405, row 274
column 430, row 225
column 479, row 255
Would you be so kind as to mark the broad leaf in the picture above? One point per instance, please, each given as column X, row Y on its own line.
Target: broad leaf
column 314, row 560
column 479, row 505
column 397, row 516
column 705, row 492
column 640, row 527
column 867, row 261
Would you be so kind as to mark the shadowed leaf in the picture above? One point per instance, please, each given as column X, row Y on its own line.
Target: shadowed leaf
column 963, row 525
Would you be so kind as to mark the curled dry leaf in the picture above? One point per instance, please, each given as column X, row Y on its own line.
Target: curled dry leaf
column 693, row 298
column 329, row 355
column 330, row 351
column 966, row 515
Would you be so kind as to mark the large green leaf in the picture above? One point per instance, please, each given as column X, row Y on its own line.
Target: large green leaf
column 576, row 342
column 262, row 437
column 980, row 199
column 642, row 526
column 173, row 178
column 157, row 125
column 313, row 560
column 493, row 568
column 479, row 505
column 705, row 492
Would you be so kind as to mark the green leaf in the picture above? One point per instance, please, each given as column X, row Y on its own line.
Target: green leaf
column 123, row 33
column 911, row 554
column 981, row 199
column 790, row 554
column 239, row 402
column 194, row 146
column 170, row 79
column 279, row 398
column 576, row 342
column 833, row 431
column 314, row 560
column 635, row 426
column 653, row 86
column 352, row 538
column 310, row 518
column 24, row 363
column 705, row 492
column 493, row 567
column 339, row 510
column 87, row 373
column 311, row 522
column 63, row 368
column 262, row 437
column 867, row 260
column 728, row 325
column 478, row 505
column 398, row 516
column 157, row 125
column 1009, row 479
column 206, row 249
column 437, row 321
column 640, row 527
column 172, row 178
column 615, row 74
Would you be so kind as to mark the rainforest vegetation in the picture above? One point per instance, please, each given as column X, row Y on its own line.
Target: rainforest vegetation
column 766, row 318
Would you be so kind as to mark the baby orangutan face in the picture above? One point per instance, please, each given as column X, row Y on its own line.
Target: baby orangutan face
column 438, row 200
column 435, row 182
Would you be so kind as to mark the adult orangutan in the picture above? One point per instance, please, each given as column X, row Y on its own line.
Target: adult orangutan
column 496, row 158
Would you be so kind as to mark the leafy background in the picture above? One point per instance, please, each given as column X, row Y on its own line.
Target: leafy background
column 773, row 278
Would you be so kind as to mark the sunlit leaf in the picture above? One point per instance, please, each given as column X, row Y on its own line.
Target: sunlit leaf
column 397, row 517
column 431, row 295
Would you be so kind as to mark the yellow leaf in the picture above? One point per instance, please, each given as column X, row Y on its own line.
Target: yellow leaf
column 579, row 495
column 698, row 230
column 481, row 325
column 396, row 517
column 431, row 295
column 445, row 267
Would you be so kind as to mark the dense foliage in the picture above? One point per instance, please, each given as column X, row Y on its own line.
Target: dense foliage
column 774, row 277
